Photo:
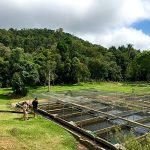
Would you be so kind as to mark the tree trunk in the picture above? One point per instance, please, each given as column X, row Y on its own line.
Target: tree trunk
column 49, row 81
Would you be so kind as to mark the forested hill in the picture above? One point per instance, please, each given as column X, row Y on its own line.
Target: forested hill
column 32, row 56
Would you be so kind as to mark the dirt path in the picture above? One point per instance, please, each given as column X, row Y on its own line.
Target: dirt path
column 81, row 147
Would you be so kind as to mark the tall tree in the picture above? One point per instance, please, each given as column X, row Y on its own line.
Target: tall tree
column 143, row 61
column 49, row 66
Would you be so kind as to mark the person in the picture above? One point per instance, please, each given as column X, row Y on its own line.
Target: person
column 35, row 106
column 25, row 108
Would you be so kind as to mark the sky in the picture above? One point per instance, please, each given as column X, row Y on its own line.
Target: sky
column 104, row 22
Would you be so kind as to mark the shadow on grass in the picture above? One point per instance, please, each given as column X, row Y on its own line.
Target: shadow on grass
column 22, row 119
column 4, row 97
column 137, row 84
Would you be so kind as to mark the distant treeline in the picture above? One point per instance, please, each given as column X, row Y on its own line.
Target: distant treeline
column 35, row 56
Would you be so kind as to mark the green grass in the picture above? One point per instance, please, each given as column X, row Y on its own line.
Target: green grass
column 33, row 134
column 139, row 88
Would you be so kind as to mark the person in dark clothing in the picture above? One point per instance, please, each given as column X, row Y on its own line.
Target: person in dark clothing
column 35, row 106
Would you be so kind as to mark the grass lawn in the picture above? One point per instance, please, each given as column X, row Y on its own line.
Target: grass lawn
column 33, row 134
column 38, row 133
column 139, row 88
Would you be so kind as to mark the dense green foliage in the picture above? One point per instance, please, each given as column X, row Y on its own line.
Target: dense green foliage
column 37, row 56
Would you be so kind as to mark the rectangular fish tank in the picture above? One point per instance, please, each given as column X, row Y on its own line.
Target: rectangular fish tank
column 98, row 125
column 79, row 117
column 119, row 137
column 64, row 111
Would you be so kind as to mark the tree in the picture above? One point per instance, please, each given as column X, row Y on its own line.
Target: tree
column 18, row 86
column 143, row 61
column 4, row 51
column 98, row 69
column 114, row 72
column 80, row 71
column 24, row 71
column 30, row 73
column 49, row 66
column 4, row 73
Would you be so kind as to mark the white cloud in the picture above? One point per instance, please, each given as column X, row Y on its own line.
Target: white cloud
column 122, row 36
column 106, row 22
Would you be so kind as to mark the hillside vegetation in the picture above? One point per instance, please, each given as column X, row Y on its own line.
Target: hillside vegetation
column 31, row 57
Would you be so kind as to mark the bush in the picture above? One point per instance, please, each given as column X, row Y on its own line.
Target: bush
column 18, row 86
